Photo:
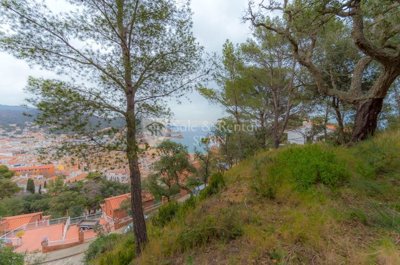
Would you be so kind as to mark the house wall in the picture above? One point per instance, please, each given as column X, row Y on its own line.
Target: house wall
column 295, row 137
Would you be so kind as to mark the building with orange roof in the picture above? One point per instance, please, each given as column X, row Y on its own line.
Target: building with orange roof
column 77, row 178
column 45, row 170
column 14, row 222
column 112, row 206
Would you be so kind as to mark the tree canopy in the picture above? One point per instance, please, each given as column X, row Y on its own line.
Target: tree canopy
column 117, row 60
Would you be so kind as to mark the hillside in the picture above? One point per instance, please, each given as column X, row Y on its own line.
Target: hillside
column 16, row 115
column 316, row 204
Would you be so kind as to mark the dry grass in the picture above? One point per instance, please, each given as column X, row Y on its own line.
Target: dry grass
column 320, row 225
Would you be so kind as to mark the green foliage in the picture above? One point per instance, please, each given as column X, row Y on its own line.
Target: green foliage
column 122, row 252
column 7, row 187
column 12, row 206
column 215, row 185
column 36, row 203
column 225, row 226
column 309, row 165
column 8, row 257
column 235, row 144
column 30, row 186
column 380, row 155
column 71, row 199
column 265, row 187
column 206, row 159
column 101, row 245
column 165, row 214
column 5, row 172
column 67, row 203
column 186, row 206
column 173, row 163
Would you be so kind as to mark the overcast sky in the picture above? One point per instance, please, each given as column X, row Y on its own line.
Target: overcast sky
column 214, row 22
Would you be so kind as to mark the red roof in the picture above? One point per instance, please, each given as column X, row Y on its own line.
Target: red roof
column 115, row 202
column 79, row 177
column 13, row 222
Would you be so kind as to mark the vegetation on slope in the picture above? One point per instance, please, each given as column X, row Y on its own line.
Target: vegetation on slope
column 313, row 204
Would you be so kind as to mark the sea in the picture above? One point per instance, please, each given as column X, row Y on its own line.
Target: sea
column 191, row 137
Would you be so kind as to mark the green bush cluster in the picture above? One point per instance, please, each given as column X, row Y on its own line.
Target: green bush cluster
column 309, row 165
column 7, row 257
column 264, row 186
column 380, row 155
column 224, row 226
column 215, row 185
column 173, row 210
column 112, row 249
column 165, row 214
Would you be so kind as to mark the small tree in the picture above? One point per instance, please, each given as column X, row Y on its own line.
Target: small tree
column 205, row 157
column 5, row 173
column 171, row 170
column 121, row 59
column 30, row 186
column 7, row 188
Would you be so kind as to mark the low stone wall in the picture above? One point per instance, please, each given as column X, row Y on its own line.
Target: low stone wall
column 46, row 248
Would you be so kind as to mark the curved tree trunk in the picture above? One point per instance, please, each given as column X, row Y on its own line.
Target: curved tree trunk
column 366, row 119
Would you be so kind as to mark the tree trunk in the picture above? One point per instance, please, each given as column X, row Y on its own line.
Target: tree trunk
column 366, row 119
column 139, row 223
column 339, row 119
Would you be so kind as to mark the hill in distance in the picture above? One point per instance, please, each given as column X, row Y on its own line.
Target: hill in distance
column 16, row 115
column 20, row 115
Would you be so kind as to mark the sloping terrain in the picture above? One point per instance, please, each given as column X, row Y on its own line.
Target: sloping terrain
column 315, row 204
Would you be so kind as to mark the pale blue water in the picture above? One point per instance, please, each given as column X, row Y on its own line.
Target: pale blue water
column 191, row 137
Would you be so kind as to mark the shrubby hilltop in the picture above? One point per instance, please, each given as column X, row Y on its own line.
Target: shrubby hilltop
column 313, row 204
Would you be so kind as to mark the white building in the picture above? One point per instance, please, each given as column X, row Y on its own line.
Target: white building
column 301, row 134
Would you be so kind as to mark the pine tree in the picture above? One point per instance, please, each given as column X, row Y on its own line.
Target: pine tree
column 30, row 186
column 121, row 59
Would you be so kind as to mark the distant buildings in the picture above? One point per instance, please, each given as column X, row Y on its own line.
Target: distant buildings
column 304, row 134
column 44, row 170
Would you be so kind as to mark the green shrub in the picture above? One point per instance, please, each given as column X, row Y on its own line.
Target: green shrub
column 264, row 186
column 102, row 245
column 7, row 257
column 309, row 165
column 165, row 214
column 381, row 154
column 186, row 206
column 122, row 253
column 224, row 226
column 215, row 185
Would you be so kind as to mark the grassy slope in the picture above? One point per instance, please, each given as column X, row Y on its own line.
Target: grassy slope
column 355, row 222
